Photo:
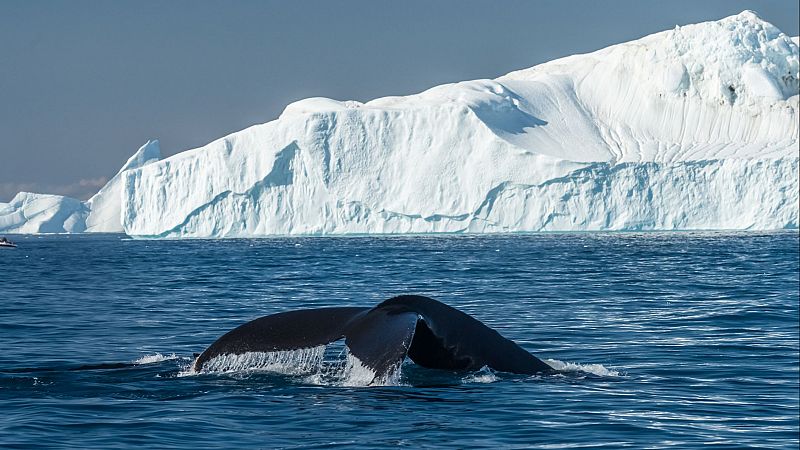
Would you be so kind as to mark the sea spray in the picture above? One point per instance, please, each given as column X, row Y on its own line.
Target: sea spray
column 318, row 365
column 594, row 369
column 156, row 358
column 289, row 362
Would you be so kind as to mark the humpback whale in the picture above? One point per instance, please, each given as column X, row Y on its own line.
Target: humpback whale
column 430, row 333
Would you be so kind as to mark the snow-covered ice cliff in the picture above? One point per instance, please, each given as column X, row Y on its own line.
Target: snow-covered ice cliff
column 691, row 128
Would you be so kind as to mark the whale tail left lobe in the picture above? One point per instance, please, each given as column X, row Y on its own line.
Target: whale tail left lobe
column 291, row 330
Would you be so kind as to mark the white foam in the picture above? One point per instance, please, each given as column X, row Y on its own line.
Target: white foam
column 290, row 362
column 338, row 367
column 485, row 375
column 156, row 358
column 311, row 363
column 595, row 369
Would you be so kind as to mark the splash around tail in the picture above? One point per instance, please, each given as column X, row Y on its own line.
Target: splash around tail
column 321, row 365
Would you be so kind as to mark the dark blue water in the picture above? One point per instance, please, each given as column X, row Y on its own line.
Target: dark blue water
column 674, row 340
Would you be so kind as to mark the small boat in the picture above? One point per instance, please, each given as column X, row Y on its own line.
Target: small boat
column 6, row 243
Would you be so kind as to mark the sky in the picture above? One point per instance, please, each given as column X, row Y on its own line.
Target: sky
column 83, row 84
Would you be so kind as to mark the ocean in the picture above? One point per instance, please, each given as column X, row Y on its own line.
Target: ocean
column 681, row 340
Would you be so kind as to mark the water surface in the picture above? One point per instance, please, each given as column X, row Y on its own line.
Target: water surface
column 673, row 340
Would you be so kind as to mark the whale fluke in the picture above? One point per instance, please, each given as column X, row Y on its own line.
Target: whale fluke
column 429, row 332
column 291, row 330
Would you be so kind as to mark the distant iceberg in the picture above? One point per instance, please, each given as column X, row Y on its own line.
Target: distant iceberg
column 691, row 128
column 42, row 213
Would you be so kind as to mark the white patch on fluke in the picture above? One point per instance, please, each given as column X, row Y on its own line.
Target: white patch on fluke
column 357, row 374
column 595, row 369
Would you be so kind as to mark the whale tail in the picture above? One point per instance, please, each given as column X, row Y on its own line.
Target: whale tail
column 429, row 332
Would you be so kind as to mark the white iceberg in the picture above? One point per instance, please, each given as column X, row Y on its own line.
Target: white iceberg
column 31, row 213
column 691, row 128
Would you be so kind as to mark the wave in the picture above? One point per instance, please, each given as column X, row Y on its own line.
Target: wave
column 334, row 365
column 156, row 358
column 485, row 375
column 594, row 369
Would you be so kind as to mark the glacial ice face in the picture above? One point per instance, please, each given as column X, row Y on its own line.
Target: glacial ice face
column 104, row 207
column 692, row 128
column 43, row 213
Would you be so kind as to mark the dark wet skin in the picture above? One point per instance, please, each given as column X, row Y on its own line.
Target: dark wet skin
column 430, row 333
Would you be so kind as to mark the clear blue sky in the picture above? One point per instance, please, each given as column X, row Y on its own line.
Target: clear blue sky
column 84, row 83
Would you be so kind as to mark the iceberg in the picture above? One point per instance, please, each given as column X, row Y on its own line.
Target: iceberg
column 691, row 128
column 694, row 128
column 29, row 213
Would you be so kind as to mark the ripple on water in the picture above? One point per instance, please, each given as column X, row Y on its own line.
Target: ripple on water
column 664, row 340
